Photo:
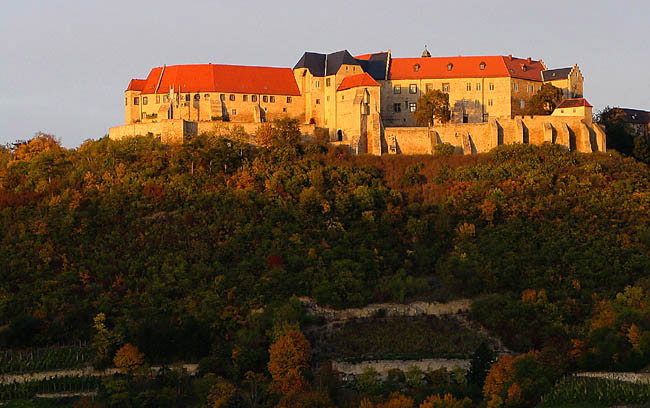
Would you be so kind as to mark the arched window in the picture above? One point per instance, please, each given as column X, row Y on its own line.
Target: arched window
column 482, row 66
column 416, row 67
column 450, row 66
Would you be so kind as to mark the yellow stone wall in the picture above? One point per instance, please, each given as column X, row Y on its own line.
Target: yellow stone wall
column 210, row 105
column 474, row 96
column 574, row 133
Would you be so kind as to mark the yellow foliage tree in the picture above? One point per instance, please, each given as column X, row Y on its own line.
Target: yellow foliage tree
column 128, row 358
column 220, row 394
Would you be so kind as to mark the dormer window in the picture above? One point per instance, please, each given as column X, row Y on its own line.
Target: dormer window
column 524, row 68
column 450, row 66
column 482, row 66
column 416, row 67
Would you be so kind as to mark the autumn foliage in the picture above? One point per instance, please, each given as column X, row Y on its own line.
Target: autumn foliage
column 288, row 359
column 128, row 358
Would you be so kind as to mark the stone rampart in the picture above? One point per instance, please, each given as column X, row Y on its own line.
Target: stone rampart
column 627, row 377
column 388, row 309
column 179, row 130
column 575, row 133
column 384, row 366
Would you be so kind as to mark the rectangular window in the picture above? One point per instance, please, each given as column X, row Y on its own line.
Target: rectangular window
column 429, row 87
column 265, row 98
column 328, row 98
column 234, row 112
column 289, row 99
column 412, row 106
column 272, row 99
column 397, row 89
column 145, row 100
column 126, row 101
column 206, row 96
column 491, row 87
column 445, row 87
column 522, row 104
column 222, row 97
column 157, row 98
column 478, row 86
column 197, row 97
column 531, row 88
column 187, row 97
column 397, row 107
column 136, row 101
column 244, row 98
column 317, row 84
column 253, row 98
column 477, row 103
column 515, row 86
column 328, row 81
column 232, row 97
column 413, row 89
column 165, row 98
column 490, row 102
column 317, row 101
column 284, row 110
column 469, row 86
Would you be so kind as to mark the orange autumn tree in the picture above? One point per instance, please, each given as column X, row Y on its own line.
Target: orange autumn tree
column 128, row 359
column 397, row 400
column 288, row 359
column 519, row 381
column 448, row 401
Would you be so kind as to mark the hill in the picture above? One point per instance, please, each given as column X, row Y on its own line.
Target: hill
column 194, row 251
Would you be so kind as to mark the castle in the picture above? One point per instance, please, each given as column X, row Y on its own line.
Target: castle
column 366, row 101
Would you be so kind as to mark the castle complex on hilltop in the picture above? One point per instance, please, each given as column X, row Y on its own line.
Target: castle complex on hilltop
column 366, row 101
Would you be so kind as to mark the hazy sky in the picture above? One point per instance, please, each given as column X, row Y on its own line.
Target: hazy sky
column 64, row 64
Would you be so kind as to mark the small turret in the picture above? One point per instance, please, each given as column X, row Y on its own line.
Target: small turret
column 426, row 53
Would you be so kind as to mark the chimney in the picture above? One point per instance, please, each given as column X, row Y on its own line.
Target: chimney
column 510, row 57
column 530, row 60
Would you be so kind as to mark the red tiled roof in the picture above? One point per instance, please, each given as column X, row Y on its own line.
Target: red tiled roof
column 364, row 57
column 466, row 67
column 574, row 103
column 357, row 80
column 222, row 78
column 136, row 84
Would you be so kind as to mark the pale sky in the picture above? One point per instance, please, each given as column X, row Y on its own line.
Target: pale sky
column 64, row 64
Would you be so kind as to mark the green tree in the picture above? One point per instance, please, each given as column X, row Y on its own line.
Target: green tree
column 620, row 136
column 433, row 105
column 544, row 101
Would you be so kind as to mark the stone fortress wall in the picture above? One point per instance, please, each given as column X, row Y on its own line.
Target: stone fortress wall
column 574, row 133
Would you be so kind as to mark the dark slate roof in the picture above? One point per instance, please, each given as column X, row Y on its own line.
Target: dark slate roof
column 635, row 115
column 314, row 62
column 375, row 65
column 555, row 74
column 325, row 64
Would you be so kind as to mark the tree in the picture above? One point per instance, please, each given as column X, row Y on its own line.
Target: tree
column 621, row 136
column 432, row 105
column 288, row 359
column 278, row 134
column 221, row 394
column 448, row 401
column 480, row 365
column 128, row 358
column 104, row 340
column 397, row 400
column 544, row 101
